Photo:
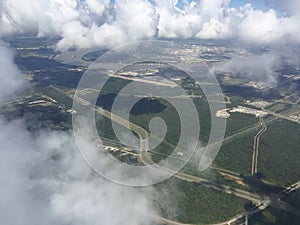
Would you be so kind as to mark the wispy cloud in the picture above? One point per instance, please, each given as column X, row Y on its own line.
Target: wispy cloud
column 44, row 180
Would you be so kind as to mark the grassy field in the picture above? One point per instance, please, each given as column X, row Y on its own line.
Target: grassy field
column 56, row 95
column 210, row 174
column 192, row 203
column 236, row 154
column 38, row 116
column 278, row 147
column 280, row 107
column 239, row 121
column 279, row 153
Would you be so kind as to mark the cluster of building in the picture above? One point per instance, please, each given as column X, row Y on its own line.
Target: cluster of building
column 257, row 85
column 246, row 110
column 123, row 151
column 44, row 100
column 295, row 117
column 294, row 77
column 225, row 113
column 259, row 104
column 141, row 72
column 199, row 53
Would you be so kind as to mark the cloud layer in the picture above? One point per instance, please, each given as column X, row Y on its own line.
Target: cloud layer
column 99, row 23
column 9, row 74
column 44, row 180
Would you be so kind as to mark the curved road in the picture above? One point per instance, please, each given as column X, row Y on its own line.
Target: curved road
column 255, row 146
column 146, row 158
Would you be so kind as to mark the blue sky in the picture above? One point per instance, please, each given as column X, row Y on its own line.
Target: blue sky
column 257, row 4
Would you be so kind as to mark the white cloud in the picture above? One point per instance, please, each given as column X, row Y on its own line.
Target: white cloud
column 174, row 23
column 98, row 7
column 261, row 27
column 74, row 34
column 138, row 18
column 97, row 23
column 290, row 7
column 252, row 67
column 44, row 180
column 11, row 81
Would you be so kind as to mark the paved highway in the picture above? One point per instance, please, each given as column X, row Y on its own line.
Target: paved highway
column 281, row 116
column 274, row 200
column 255, row 146
column 146, row 159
